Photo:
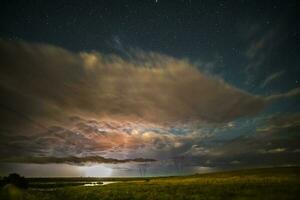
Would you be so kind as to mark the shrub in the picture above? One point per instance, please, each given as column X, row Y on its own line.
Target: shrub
column 15, row 179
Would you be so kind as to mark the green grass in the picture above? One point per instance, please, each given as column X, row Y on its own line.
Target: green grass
column 272, row 183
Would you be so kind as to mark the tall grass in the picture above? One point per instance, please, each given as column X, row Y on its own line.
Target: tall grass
column 279, row 183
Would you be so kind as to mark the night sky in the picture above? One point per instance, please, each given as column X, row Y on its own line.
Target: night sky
column 105, row 88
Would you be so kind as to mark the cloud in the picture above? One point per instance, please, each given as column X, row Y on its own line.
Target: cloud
column 271, row 78
column 72, row 160
column 248, row 151
column 285, row 124
column 83, row 138
column 276, row 150
column 148, row 86
column 261, row 46
column 58, row 105
column 289, row 94
column 274, row 142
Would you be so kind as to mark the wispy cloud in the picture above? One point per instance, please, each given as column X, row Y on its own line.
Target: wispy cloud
column 289, row 94
column 258, row 53
column 271, row 78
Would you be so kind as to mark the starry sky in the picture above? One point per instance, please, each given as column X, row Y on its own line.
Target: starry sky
column 148, row 87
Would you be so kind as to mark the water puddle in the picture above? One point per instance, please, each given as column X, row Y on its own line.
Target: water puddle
column 101, row 183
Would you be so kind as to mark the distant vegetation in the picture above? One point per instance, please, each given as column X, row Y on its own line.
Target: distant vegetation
column 16, row 180
column 272, row 183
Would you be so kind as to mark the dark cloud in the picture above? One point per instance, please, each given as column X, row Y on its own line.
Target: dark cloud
column 246, row 152
column 283, row 125
column 72, row 160
column 275, row 142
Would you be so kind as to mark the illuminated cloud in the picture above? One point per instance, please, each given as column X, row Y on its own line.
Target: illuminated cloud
column 148, row 86
column 58, row 104
column 109, row 139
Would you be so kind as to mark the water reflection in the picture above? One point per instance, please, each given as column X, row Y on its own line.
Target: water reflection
column 99, row 183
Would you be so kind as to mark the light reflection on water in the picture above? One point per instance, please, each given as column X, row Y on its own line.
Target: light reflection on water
column 101, row 183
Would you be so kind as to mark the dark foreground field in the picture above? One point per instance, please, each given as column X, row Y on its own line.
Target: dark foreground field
column 272, row 183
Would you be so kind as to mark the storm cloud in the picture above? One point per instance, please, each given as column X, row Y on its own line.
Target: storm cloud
column 72, row 160
column 61, row 106
column 46, row 83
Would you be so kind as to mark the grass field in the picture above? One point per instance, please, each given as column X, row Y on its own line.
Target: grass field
column 271, row 183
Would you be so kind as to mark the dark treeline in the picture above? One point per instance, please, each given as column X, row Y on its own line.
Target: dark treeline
column 15, row 179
